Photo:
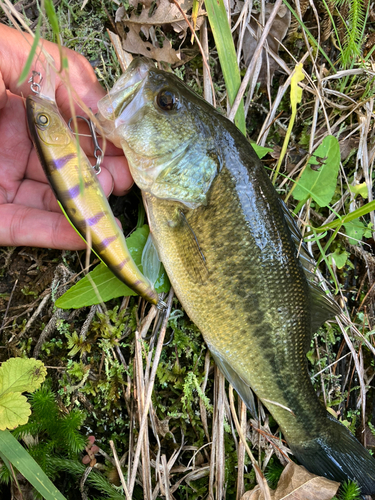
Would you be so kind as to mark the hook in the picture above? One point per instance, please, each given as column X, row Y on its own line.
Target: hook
column 98, row 152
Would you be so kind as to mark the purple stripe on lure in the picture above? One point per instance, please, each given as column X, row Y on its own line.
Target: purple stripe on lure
column 91, row 221
column 60, row 163
column 106, row 242
column 74, row 191
column 118, row 267
column 71, row 193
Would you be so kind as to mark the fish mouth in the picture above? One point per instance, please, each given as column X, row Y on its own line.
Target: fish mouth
column 125, row 89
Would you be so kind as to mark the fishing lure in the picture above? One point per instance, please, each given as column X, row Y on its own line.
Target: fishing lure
column 77, row 189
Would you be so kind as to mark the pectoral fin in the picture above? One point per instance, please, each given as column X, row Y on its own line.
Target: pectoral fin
column 150, row 261
column 193, row 255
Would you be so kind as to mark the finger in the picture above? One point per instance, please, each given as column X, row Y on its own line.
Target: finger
column 82, row 75
column 23, row 226
column 119, row 169
column 3, row 92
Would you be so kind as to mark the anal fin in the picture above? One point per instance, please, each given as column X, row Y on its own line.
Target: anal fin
column 241, row 387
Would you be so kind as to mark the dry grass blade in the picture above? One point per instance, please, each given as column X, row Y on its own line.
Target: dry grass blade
column 150, row 387
column 251, row 67
column 262, row 482
column 204, row 59
column 358, row 368
column 217, row 461
column 241, row 452
column 118, row 467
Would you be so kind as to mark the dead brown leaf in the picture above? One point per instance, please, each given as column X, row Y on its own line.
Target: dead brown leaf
column 278, row 31
column 296, row 483
column 138, row 30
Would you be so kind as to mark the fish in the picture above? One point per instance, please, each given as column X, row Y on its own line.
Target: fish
column 235, row 258
column 79, row 193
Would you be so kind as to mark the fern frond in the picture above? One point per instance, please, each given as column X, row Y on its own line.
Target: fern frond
column 354, row 26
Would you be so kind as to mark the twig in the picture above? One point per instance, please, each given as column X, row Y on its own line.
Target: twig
column 8, row 305
column 118, row 467
column 207, row 82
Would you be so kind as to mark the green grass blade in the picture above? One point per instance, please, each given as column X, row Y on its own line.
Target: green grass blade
column 52, row 17
column 30, row 57
column 227, row 55
column 26, row 465
column 360, row 212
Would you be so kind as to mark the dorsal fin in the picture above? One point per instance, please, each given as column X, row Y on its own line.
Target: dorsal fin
column 322, row 306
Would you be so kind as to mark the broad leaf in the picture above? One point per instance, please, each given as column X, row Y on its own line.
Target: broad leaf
column 14, row 410
column 107, row 285
column 18, row 375
column 361, row 189
column 261, row 151
column 296, row 483
column 319, row 178
column 356, row 230
column 21, row 375
column 339, row 258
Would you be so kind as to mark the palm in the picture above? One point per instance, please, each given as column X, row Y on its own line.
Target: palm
column 29, row 213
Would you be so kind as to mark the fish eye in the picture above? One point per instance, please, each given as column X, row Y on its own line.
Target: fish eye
column 42, row 120
column 166, row 100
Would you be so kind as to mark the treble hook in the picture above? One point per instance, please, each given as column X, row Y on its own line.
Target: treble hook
column 98, row 152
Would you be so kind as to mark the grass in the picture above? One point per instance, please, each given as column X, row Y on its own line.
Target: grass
column 99, row 362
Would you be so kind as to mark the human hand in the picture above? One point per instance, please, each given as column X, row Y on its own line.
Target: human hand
column 29, row 213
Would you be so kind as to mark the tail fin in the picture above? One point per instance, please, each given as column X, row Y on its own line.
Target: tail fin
column 337, row 455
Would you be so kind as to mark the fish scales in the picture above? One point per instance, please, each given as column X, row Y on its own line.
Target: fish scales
column 244, row 294
column 229, row 247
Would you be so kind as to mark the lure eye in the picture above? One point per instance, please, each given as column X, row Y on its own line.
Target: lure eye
column 42, row 120
column 166, row 100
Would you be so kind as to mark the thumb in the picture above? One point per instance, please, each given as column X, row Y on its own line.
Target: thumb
column 3, row 92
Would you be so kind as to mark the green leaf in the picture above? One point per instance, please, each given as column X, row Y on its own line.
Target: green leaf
column 21, row 375
column 339, row 258
column 361, row 189
column 356, row 230
column 261, row 151
column 52, row 17
column 14, row 410
column 18, row 375
column 30, row 57
column 319, row 178
column 108, row 286
column 11, row 449
column 217, row 16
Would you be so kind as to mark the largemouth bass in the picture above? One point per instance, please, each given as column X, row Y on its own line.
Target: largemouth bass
column 229, row 246
column 79, row 192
